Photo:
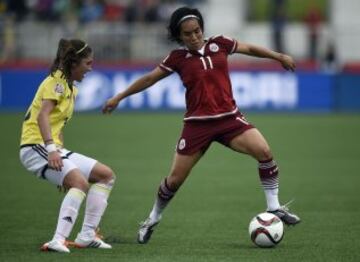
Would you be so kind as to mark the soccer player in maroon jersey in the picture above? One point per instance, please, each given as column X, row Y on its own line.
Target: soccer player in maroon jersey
column 211, row 112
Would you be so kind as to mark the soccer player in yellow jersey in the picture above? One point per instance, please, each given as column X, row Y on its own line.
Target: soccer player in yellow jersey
column 42, row 150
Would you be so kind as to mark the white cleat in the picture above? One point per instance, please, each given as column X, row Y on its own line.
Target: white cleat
column 146, row 229
column 95, row 242
column 56, row 246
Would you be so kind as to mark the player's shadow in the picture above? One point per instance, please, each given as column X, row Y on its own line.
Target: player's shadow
column 114, row 239
column 238, row 246
column 117, row 239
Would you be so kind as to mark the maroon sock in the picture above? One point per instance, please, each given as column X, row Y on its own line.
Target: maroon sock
column 269, row 174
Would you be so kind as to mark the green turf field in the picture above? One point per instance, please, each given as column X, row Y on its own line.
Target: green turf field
column 260, row 10
column 318, row 157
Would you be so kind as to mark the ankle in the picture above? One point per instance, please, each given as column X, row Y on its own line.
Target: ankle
column 155, row 216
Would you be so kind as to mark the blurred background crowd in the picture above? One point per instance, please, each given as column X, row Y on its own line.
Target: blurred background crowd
column 86, row 11
column 318, row 33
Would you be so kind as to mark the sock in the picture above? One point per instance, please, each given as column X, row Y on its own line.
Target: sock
column 269, row 177
column 96, row 204
column 165, row 194
column 68, row 213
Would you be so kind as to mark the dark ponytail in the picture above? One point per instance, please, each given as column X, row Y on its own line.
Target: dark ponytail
column 69, row 53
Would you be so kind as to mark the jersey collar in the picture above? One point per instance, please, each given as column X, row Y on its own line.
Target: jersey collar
column 59, row 74
column 201, row 51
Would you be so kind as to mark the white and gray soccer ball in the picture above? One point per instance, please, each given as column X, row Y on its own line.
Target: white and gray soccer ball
column 266, row 230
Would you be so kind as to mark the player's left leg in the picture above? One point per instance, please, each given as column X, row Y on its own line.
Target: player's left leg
column 253, row 143
column 102, row 179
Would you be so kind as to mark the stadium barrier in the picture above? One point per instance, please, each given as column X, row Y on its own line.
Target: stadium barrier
column 263, row 91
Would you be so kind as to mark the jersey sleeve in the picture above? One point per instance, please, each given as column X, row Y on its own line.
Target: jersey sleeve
column 53, row 90
column 228, row 43
column 169, row 64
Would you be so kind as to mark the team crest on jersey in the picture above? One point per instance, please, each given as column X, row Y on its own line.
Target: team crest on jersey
column 214, row 47
column 181, row 144
column 59, row 88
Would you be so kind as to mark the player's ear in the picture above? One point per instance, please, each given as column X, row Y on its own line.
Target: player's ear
column 74, row 64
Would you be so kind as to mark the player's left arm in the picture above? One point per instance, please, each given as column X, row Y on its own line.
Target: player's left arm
column 252, row 50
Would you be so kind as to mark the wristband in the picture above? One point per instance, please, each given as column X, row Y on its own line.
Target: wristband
column 48, row 140
column 50, row 147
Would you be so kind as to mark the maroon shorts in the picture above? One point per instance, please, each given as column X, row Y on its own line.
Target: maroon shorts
column 198, row 135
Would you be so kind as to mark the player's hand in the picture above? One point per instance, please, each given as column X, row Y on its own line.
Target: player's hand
column 287, row 62
column 110, row 105
column 55, row 160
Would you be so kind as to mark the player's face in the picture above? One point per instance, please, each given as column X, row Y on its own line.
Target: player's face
column 85, row 65
column 191, row 34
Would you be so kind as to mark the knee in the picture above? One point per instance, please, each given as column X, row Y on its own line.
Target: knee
column 76, row 181
column 102, row 174
column 108, row 176
column 264, row 154
column 82, row 185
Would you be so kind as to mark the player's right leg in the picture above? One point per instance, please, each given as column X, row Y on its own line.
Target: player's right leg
column 77, row 187
column 34, row 159
column 253, row 143
column 181, row 167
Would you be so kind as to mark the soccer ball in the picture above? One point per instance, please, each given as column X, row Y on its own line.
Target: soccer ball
column 266, row 230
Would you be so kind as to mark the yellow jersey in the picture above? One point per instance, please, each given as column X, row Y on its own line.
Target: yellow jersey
column 53, row 88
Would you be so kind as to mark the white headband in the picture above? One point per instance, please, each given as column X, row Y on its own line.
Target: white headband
column 187, row 17
column 82, row 49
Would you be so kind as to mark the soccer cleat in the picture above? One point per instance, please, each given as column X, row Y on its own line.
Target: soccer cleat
column 94, row 242
column 146, row 229
column 55, row 245
column 284, row 214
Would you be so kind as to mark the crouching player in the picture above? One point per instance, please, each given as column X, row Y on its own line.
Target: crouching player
column 42, row 151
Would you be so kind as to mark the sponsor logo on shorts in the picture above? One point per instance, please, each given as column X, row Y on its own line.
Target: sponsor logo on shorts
column 68, row 219
column 182, row 144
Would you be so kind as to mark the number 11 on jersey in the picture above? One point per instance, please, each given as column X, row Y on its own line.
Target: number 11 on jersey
column 207, row 63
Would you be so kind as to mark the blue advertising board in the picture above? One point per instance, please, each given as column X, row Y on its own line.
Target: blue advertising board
column 273, row 91
column 17, row 87
column 348, row 92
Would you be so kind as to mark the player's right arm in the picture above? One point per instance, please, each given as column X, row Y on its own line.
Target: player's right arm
column 139, row 85
column 43, row 119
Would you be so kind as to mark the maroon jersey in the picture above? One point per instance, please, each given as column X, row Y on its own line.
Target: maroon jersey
column 205, row 75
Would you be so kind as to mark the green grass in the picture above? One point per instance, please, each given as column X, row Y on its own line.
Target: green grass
column 295, row 10
column 208, row 219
